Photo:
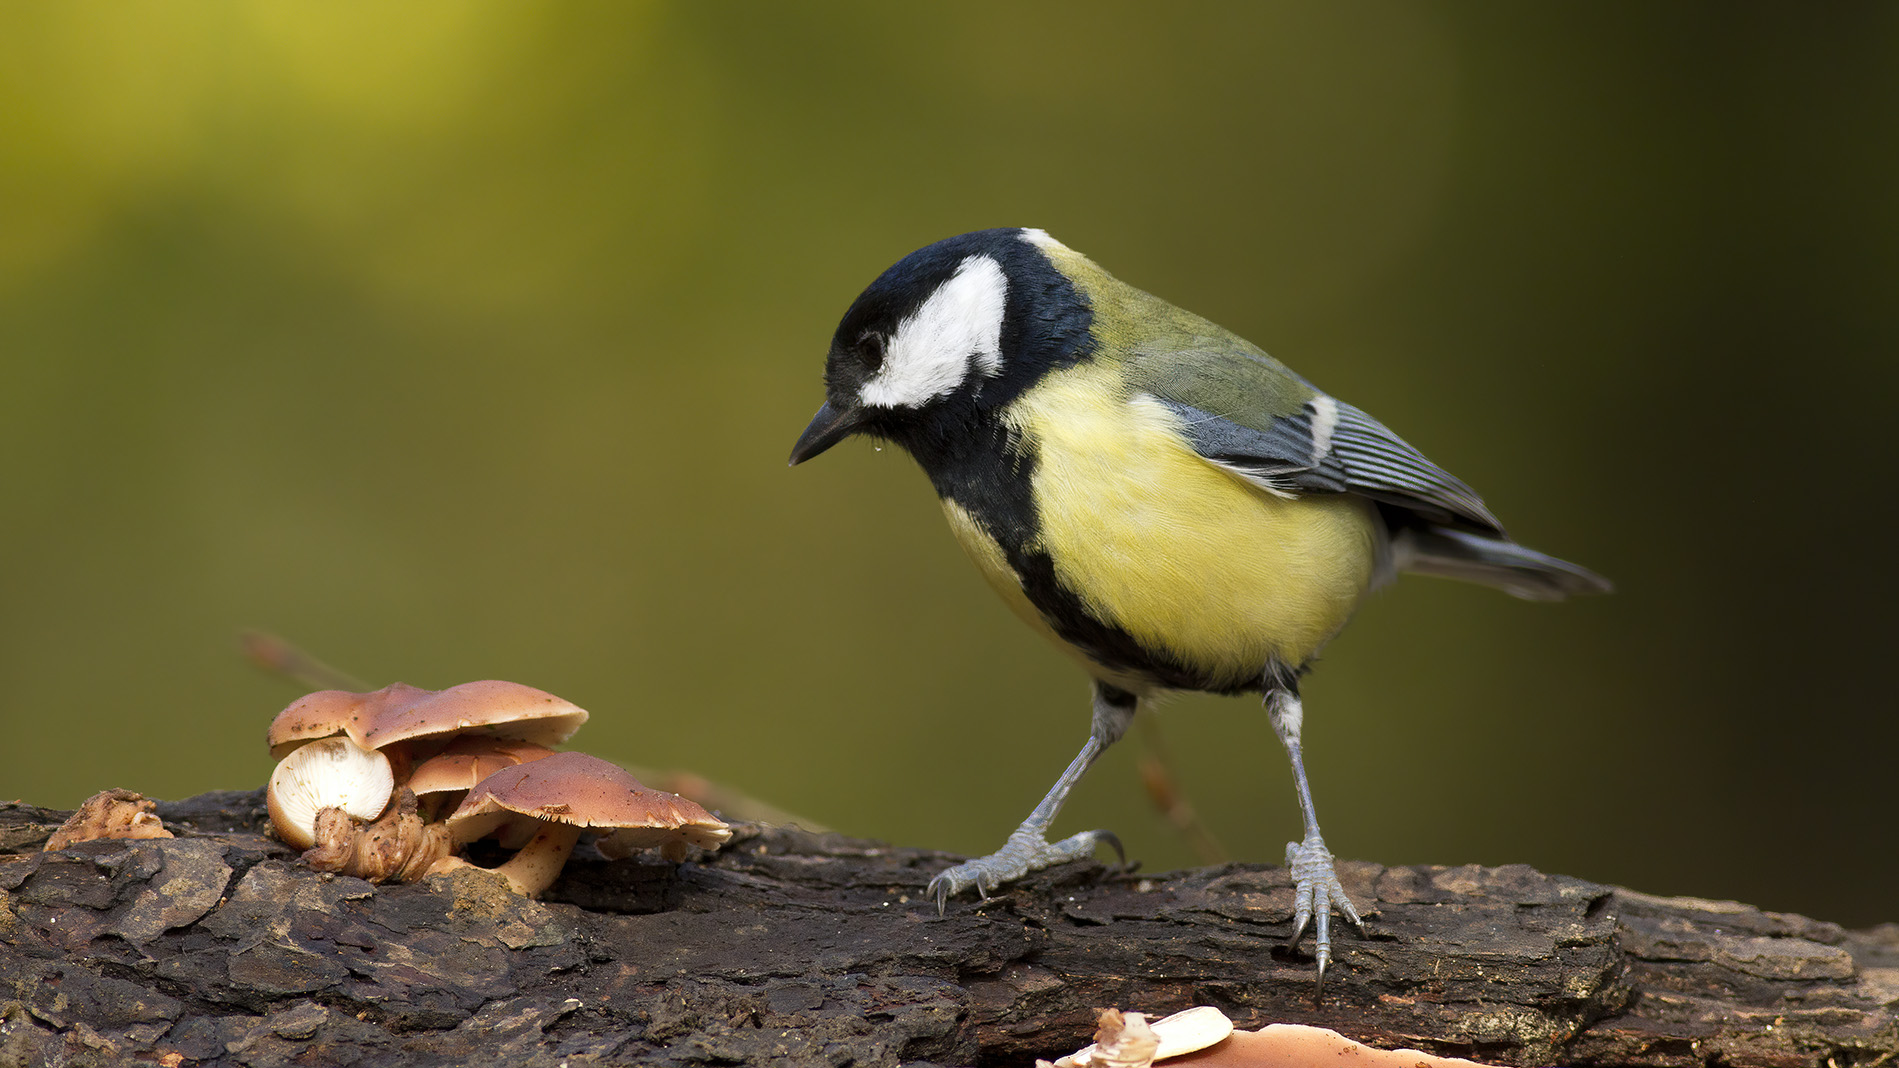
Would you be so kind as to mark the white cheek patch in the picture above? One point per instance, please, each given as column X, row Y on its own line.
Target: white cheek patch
column 933, row 350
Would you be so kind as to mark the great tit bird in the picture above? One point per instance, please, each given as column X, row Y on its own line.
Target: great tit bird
column 1156, row 495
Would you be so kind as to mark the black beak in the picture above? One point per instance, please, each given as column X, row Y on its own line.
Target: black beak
column 831, row 425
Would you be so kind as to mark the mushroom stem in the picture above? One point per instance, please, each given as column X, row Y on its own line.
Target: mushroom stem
column 335, row 840
column 383, row 846
column 398, row 846
column 535, row 866
column 431, row 846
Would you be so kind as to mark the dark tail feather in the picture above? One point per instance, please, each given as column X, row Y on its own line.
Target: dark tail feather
column 1510, row 567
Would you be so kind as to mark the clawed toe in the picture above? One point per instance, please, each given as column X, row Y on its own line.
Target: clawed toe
column 1023, row 853
column 1316, row 892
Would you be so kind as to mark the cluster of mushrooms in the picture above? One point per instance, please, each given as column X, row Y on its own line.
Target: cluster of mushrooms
column 389, row 785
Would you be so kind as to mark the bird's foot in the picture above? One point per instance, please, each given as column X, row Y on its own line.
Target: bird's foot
column 1316, row 891
column 1024, row 852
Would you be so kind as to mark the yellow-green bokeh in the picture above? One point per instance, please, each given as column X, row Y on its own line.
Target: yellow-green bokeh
column 467, row 340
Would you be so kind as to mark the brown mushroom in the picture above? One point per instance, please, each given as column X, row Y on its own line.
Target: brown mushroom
column 492, row 707
column 441, row 781
column 328, row 773
column 327, row 713
column 403, row 713
column 563, row 794
column 403, row 724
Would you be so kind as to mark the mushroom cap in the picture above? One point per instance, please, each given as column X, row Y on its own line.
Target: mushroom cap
column 469, row 760
column 327, row 773
column 331, row 712
column 581, row 790
column 491, row 707
column 400, row 712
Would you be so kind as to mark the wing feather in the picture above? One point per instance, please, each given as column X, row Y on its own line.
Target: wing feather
column 1248, row 413
column 1254, row 416
column 1329, row 446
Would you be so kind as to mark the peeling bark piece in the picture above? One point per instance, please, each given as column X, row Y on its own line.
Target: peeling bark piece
column 189, row 885
column 273, row 969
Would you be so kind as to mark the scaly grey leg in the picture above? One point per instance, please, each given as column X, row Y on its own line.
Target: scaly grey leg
column 1315, row 880
column 1028, row 849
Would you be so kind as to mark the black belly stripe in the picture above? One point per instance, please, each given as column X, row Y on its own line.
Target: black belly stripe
column 991, row 482
column 1108, row 644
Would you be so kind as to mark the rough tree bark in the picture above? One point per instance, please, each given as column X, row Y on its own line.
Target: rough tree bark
column 793, row 949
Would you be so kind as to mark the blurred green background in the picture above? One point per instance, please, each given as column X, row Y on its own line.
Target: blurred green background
column 468, row 340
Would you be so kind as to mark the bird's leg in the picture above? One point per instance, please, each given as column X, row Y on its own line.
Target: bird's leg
column 1028, row 849
column 1315, row 880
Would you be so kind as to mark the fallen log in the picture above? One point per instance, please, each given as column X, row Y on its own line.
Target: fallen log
column 789, row 948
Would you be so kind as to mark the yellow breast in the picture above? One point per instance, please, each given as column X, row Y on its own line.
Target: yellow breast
column 1185, row 557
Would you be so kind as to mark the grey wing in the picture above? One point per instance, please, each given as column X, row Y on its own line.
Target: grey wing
column 1329, row 446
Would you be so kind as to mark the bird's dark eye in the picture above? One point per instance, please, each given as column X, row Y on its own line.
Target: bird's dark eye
column 871, row 346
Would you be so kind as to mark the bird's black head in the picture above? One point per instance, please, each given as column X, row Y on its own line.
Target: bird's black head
column 952, row 331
